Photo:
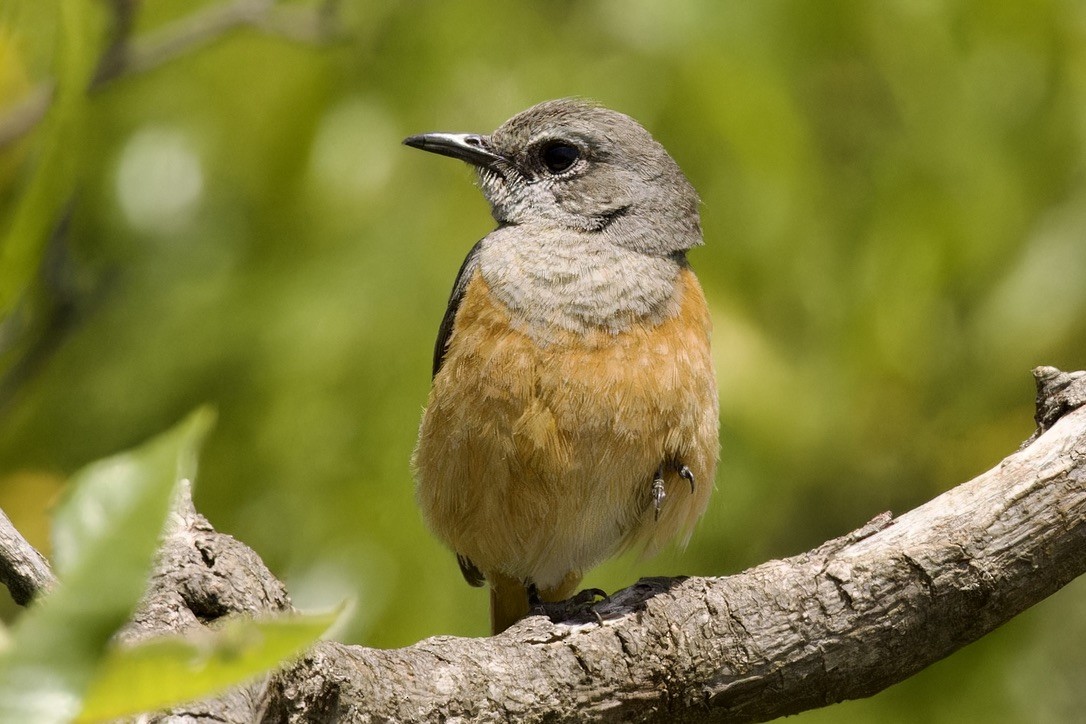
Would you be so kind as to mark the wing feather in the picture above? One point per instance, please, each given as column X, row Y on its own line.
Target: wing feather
column 444, row 332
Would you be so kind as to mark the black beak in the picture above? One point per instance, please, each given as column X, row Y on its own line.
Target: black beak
column 469, row 147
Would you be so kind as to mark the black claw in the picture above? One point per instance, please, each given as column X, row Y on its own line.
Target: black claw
column 684, row 472
column 589, row 595
column 658, row 492
column 533, row 595
column 587, row 599
column 580, row 608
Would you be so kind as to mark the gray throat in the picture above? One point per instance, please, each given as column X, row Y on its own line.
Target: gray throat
column 554, row 280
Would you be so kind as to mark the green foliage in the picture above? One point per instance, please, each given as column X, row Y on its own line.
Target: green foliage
column 60, row 661
column 161, row 672
column 893, row 206
column 106, row 533
column 53, row 177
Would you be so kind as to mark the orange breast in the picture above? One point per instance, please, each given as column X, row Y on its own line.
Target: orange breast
column 536, row 462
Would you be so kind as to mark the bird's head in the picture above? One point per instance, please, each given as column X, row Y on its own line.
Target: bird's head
column 572, row 165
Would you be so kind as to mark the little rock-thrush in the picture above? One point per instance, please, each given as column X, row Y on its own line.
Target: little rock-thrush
column 573, row 412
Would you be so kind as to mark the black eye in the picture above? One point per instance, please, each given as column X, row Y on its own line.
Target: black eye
column 558, row 157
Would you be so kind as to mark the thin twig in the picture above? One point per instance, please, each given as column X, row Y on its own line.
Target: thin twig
column 125, row 56
column 199, row 29
column 113, row 57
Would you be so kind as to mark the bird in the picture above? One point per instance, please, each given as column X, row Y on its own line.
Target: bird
column 573, row 412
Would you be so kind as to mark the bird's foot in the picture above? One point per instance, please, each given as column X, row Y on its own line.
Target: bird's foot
column 685, row 473
column 533, row 595
column 579, row 608
column 658, row 492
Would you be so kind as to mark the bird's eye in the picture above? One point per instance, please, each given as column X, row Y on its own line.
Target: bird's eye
column 558, row 157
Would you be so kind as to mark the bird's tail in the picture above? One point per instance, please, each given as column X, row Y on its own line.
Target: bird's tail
column 508, row 602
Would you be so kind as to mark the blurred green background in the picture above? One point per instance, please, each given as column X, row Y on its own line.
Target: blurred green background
column 895, row 218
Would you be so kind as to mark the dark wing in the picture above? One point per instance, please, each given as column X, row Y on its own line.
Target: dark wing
column 471, row 572
column 461, row 283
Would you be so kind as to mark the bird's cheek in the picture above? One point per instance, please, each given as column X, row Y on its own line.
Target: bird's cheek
column 512, row 208
column 491, row 183
column 595, row 202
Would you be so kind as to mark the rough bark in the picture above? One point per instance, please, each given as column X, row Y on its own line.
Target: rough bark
column 845, row 620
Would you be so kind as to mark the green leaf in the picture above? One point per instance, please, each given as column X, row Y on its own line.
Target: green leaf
column 106, row 534
column 59, row 161
column 167, row 671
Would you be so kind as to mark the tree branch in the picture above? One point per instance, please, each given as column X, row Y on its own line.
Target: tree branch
column 842, row 621
column 23, row 570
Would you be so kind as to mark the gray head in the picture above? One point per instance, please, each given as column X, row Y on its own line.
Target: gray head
column 570, row 165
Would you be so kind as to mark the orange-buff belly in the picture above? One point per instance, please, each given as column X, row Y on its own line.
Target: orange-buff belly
column 536, row 462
